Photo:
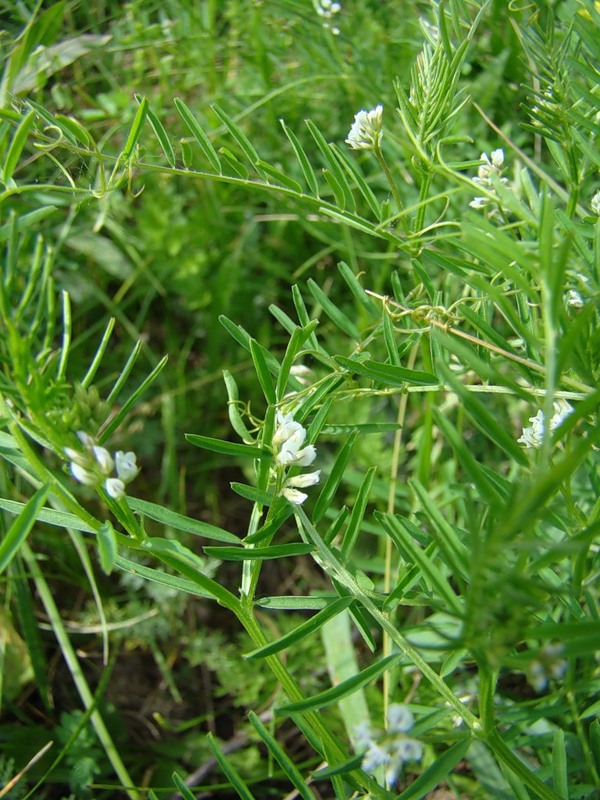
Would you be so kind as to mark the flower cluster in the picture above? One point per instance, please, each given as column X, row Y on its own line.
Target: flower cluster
column 96, row 466
column 366, row 132
column 327, row 10
column 390, row 749
column 533, row 436
column 489, row 171
column 288, row 443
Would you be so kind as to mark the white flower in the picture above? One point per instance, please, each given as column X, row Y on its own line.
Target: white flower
column 104, row 459
column 115, row 488
column 286, row 428
column 498, row 158
column 533, row 437
column 375, row 756
column 83, row 475
column 399, row 718
column 596, row 204
column 366, row 131
column 479, row 202
column 127, row 468
column 574, row 299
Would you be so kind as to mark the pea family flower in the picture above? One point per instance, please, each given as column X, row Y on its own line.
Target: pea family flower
column 390, row 749
column 288, row 443
column 366, row 132
column 533, row 436
column 490, row 169
column 548, row 664
column 95, row 466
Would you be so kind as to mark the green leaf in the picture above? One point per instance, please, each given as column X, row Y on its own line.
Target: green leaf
column 240, row 137
column 332, row 311
column 161, row 135
column 199, row 135
column 183, row 560
column 364, row 428
column 297, row 339
column 162, row 578
column 334, row 478
column 259, row 553
column 302, row 631
column 180, row 522
column 262, row 371
column 184, row 790
column 279, row 176
column 388, row 374
column 354, row 173
column 294, row 602
column 19, row 530
column 358, row 512
column 230, row 773
column 343, row 689
column 253, row 494
column 440, row 769
column 227, row 448
column 16, row 146
column 126, row 407
column 305, row 166
column 357, row 289
column 347, row 198
column 136, row 129
column 61, row 518
column 107, row 547
column 282, row 759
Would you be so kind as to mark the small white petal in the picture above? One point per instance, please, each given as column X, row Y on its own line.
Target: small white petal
column 127, row 468
column 498, row 157
column 83, row 475
column 302, row 481
column 294, row 496
column 115, row 488
column 306, row 456
column 75, row 455
column 104, row 459
column 85, row 439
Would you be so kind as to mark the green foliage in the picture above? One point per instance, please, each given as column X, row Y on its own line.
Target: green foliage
column 175, row 183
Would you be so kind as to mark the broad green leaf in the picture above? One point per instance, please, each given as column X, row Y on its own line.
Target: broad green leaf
column 343, row 689
column 297, row 340
column 107, row 547
column 435, row 774
column 180, row 522
column 227, row 448
column 258, row 553
column 305, row 629
column 239, row 169
column 75, row 128
column 199, row 135
column 19, row 530
column 282, row 759
column 162, row 578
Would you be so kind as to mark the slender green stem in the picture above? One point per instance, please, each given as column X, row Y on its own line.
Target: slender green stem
column 79, row 680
